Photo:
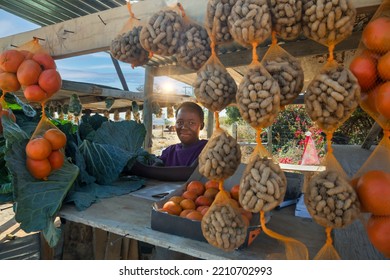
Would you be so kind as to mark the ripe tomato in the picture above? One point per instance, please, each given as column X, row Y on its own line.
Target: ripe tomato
column 382, row 100
column 364, row 69
column 378, row 231
column 373, row 190
column 384, row 66
column 376, row 35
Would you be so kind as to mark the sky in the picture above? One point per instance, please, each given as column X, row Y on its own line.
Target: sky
column 94, row 68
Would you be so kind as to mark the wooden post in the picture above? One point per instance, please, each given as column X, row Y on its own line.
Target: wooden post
column 147, row 109
column 210, row 124
column 234, row 131
column 269, row 139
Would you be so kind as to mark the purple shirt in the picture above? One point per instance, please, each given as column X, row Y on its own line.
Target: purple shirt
column 176, row 155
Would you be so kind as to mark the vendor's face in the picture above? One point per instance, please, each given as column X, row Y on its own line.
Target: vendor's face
column 188, row 125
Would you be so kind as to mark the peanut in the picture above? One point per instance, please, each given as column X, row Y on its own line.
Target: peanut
column 217, row 20
column 286, row 18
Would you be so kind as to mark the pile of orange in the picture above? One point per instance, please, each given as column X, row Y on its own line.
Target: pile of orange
column 44, row 153
column 373, row 190
column 197, row 198
column 372, row 67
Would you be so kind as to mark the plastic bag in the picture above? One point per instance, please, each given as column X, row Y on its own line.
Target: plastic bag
column 328, row 22
column 45, row 149
column 332, row 96
column 250, row 22
column 126, row 46
column 258, row 97
column 214, row 87
column 30, row 66
column 161, row 34
column 331, row 201
column 286, row 18
column 220, row 157
column 310, row 155
column 223, row 225
column 217, row 14
column 286, row 70
column 5, row 111
column 194, row 45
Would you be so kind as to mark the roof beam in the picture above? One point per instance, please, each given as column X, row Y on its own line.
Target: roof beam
column 94, row 32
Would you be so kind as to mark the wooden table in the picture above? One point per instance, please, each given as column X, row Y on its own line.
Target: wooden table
column 129, row 216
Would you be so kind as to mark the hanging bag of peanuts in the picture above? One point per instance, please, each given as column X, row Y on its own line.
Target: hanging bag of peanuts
column 250, row 22
column 45, row 149
column 328, row 22
column 194, row 45
column 220, row 157
column 262, row 188
column 331, row 201
column 214, row 87
column 217, row 14
column 286, row 18
column 32, row 68
column 126, row 46
column 223, row 225
column 161, row 33
column 286, row 70
column 371, row 66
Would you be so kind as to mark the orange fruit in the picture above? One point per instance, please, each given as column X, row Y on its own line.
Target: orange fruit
column 38, row 148
column 176, row 199
column 56, row 138
column 172, row 208
column 384, row 66
column 212, row 184
column 368, row 100
column 50, row 81
column 378, row 231
column 196, row 186
column 56, row 159
column 187, row 204
column 382, row 100
column 211, row 193
column 28, row 72
column 39, row 169
column 10, row 60
column 246, row 213
column 234, row 191
column 203, row 201
column 9, row 82
column 364, row 69
column 34, row 93
column 184, row 213
column 190, row 195
column 204, row 209
column 194, row 215
column 376, row 35
column 373, row 190
column 234, row 202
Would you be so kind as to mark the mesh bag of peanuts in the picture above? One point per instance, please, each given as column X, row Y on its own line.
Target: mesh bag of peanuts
column 331, row 201
column 194, row 45
column 332, row 96
column 161, row 33
column 216, row 21
column 126, row 46
column 258, row 96
column 220, row 157
column 286, row 70
column 263, row 183
column 250, row 22
column 286, row 18
column 223, row 225
column 328, row 22
column 214, row 87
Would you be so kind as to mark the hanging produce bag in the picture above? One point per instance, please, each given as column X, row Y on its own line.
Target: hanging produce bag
column 286, row 70
column 223, row 225
column 45, row 149
column 250, row 22
column 161, row 33
column 328, row 22
column 217, row 14
column 214, row 87
column 286, row 18
column 126, row 46
column 220, row 157
column 194, row 45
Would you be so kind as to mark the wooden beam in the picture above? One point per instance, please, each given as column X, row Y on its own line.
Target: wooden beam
column 371, row 136
column 94, row 32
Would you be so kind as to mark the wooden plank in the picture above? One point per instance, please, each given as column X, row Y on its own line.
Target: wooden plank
column 113, row 247
column 371, row 136
column 147, row 110
column 302, row 168
column 99, row 243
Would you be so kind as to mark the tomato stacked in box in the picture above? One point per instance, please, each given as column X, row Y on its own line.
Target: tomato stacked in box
column 33, row 69
column 371, row 66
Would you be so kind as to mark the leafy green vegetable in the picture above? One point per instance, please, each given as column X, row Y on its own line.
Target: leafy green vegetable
column 37, row 201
